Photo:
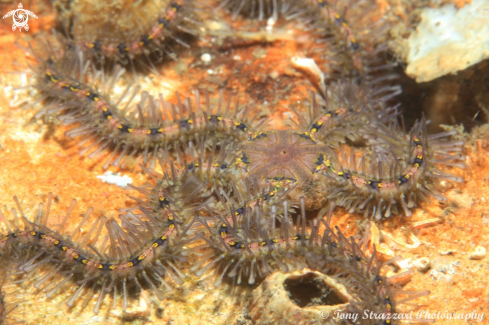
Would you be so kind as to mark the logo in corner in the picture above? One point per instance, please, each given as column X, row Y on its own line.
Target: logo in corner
column 20, row 16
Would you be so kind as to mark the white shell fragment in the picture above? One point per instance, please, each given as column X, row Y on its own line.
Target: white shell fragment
column 310, row 66
column 115, row 178
column 479, row 253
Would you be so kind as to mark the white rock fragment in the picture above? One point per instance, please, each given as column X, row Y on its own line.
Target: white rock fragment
column 405, row 264
column 422, row 264
column 479, row 253
column 206, row 58
column 199, row 296
column 274, row 74
column 270, row 23
column 448, row 40
column 116, row 179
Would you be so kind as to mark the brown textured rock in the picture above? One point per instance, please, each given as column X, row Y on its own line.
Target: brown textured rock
column 300, row 297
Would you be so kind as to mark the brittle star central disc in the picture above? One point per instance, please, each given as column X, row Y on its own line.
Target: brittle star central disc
column 285, row 156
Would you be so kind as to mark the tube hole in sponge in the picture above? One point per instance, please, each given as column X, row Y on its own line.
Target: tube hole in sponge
column 309, row 289
column 301, row 297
